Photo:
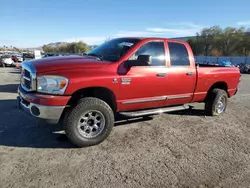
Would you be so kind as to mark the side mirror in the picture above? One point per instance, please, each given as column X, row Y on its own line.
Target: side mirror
column 142, row 60
column 129, row 63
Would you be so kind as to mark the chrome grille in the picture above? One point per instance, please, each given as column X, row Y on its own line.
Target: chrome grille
column 26, row 73
column 28, row 76
column 26, row 80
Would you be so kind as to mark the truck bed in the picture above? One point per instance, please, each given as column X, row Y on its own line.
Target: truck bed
column 208, row 65
column 208, row 75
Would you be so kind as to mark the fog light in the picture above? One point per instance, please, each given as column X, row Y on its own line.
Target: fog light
column 35, row 111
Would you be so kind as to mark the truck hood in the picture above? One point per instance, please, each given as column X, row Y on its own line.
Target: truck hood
column 67, row 62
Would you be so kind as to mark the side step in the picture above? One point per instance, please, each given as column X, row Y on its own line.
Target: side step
column 154, row 111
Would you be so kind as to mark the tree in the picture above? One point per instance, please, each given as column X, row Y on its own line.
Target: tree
column 82, row 47
column 216, row 52
column 207, row 36
column 221, row 42
column 196, row 44
column 74, row 47
column 228, row 40
column 244, row 46
column 193, row 44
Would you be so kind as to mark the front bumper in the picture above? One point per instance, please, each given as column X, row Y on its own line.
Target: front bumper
column 51, row 114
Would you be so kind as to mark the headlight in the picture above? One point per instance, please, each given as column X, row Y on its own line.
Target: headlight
column 52, row 84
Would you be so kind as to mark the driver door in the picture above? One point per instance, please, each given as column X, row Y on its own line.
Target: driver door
column 145, row 86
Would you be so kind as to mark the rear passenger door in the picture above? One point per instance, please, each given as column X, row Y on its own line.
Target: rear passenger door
column 181, row 74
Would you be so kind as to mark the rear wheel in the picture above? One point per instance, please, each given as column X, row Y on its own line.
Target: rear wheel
column 89, row 123
column 216, row 102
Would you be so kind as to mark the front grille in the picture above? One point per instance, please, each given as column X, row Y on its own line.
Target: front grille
column 26, row 80
column 26, row 73
column 28, row 77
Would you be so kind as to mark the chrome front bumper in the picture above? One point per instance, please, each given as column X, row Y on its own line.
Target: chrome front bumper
column 51, row 114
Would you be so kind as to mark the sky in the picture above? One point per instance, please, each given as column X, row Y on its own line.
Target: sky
column 33, row 23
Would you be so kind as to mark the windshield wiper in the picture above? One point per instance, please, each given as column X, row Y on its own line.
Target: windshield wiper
column 96, row 55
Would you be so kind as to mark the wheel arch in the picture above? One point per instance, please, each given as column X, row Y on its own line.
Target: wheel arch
column 218, row 85
column 102, row 93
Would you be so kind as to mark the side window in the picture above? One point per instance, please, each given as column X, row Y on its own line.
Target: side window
column 155, row 49
column 178, row 54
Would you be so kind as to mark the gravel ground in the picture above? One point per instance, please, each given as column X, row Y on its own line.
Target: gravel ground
column 184, row 149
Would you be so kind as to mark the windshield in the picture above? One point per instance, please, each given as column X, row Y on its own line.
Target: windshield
column 114, row 49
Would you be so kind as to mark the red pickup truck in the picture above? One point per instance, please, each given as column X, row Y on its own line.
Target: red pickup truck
column 133, row 77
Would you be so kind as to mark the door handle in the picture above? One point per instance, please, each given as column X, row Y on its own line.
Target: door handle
column 161, row 74
column 190, row 73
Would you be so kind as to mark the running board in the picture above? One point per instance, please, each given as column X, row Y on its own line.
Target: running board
column 153, row 111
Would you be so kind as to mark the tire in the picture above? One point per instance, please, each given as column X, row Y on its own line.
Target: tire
column 216, row 102
column 81, row 120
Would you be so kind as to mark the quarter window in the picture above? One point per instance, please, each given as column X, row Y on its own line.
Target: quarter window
column 178, row 54
column 155, row 49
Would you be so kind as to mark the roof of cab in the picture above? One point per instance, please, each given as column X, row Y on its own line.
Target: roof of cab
column 155, row 38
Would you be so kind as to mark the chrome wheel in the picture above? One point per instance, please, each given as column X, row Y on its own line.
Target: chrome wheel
column 221, row 105
column 91, row 124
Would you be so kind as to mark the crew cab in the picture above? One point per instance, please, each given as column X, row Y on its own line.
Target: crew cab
column 132, row 77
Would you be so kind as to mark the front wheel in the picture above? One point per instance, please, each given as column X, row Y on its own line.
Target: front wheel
column 216, row 103
column 89, row 123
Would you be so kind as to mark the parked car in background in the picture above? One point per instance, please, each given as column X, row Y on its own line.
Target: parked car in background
column 28, row 56
column 244, row 68
column 225, row 64
column 14, row 58
column 50, row 55
column 6, row 61
column 17, row 57
column 61, row 54
column 24, row 57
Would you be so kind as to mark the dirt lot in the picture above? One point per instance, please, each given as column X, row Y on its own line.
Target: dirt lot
column 183, row 149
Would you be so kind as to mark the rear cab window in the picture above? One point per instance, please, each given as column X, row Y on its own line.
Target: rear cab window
column 178, row 54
